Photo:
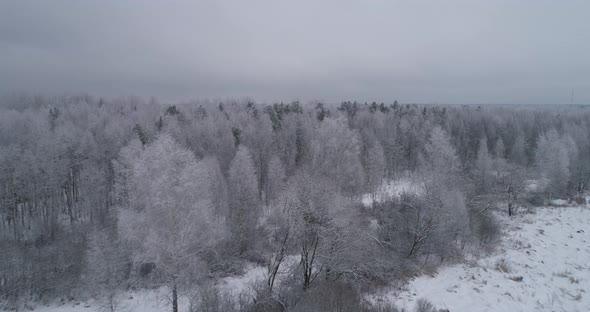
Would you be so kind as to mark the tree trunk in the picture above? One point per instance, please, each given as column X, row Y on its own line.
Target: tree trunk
column 308, row 256
column 278, row 259
column 174, row 299
column 510, row 201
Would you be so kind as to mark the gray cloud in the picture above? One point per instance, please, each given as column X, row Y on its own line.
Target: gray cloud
column 532, row 51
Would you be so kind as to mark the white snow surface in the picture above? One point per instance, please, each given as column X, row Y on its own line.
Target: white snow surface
column 392, row 189
column 547, row 268
column 533, row 186
column 559, row 202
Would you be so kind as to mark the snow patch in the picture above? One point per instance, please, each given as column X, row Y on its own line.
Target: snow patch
column 559, row 202
column 243, row 284
column 535, row 186
column 236, row 285
column 393, row 189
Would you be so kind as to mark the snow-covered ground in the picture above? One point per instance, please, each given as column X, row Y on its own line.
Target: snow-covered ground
column 152, row 300
column 146, row 300
column 543, row 264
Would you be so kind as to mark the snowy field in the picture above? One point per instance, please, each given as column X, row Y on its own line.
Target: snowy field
column 543, row 264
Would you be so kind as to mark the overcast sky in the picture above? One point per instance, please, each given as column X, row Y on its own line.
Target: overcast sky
column 415, row 51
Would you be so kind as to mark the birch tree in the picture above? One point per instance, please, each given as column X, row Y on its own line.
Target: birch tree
column 336, row 155
column 171, row 222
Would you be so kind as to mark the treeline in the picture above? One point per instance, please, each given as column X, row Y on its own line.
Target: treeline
column 98, row 196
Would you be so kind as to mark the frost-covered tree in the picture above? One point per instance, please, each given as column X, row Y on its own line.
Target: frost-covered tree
column 258, row 137
column 244, row 209
column 441, row 164
column 308, row 201
column 276, row 179
column 518, row 151
column 580, row 164
column 453, row 232
column 500, row 149
column 217, row 187
column 553, row 160
column 441, row 154
column 107, row 266
column 392, row 148
column 499, row 159
column 374, row 169
column 123, row 169
column 335, row 153
column 171, row 221
column 483, row 167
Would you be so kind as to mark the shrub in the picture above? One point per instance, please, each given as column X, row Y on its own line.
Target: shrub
column 208, row 298
column 328, row 296
column 503, row 266
column 536, row 199
column 487, row 228
column 423, row 305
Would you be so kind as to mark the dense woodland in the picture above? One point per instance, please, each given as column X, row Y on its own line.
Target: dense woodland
column 99, row 196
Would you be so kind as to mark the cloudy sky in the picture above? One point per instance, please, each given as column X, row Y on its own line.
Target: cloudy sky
column 470, row 51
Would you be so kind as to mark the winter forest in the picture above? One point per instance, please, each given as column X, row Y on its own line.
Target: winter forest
column 326, row 203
